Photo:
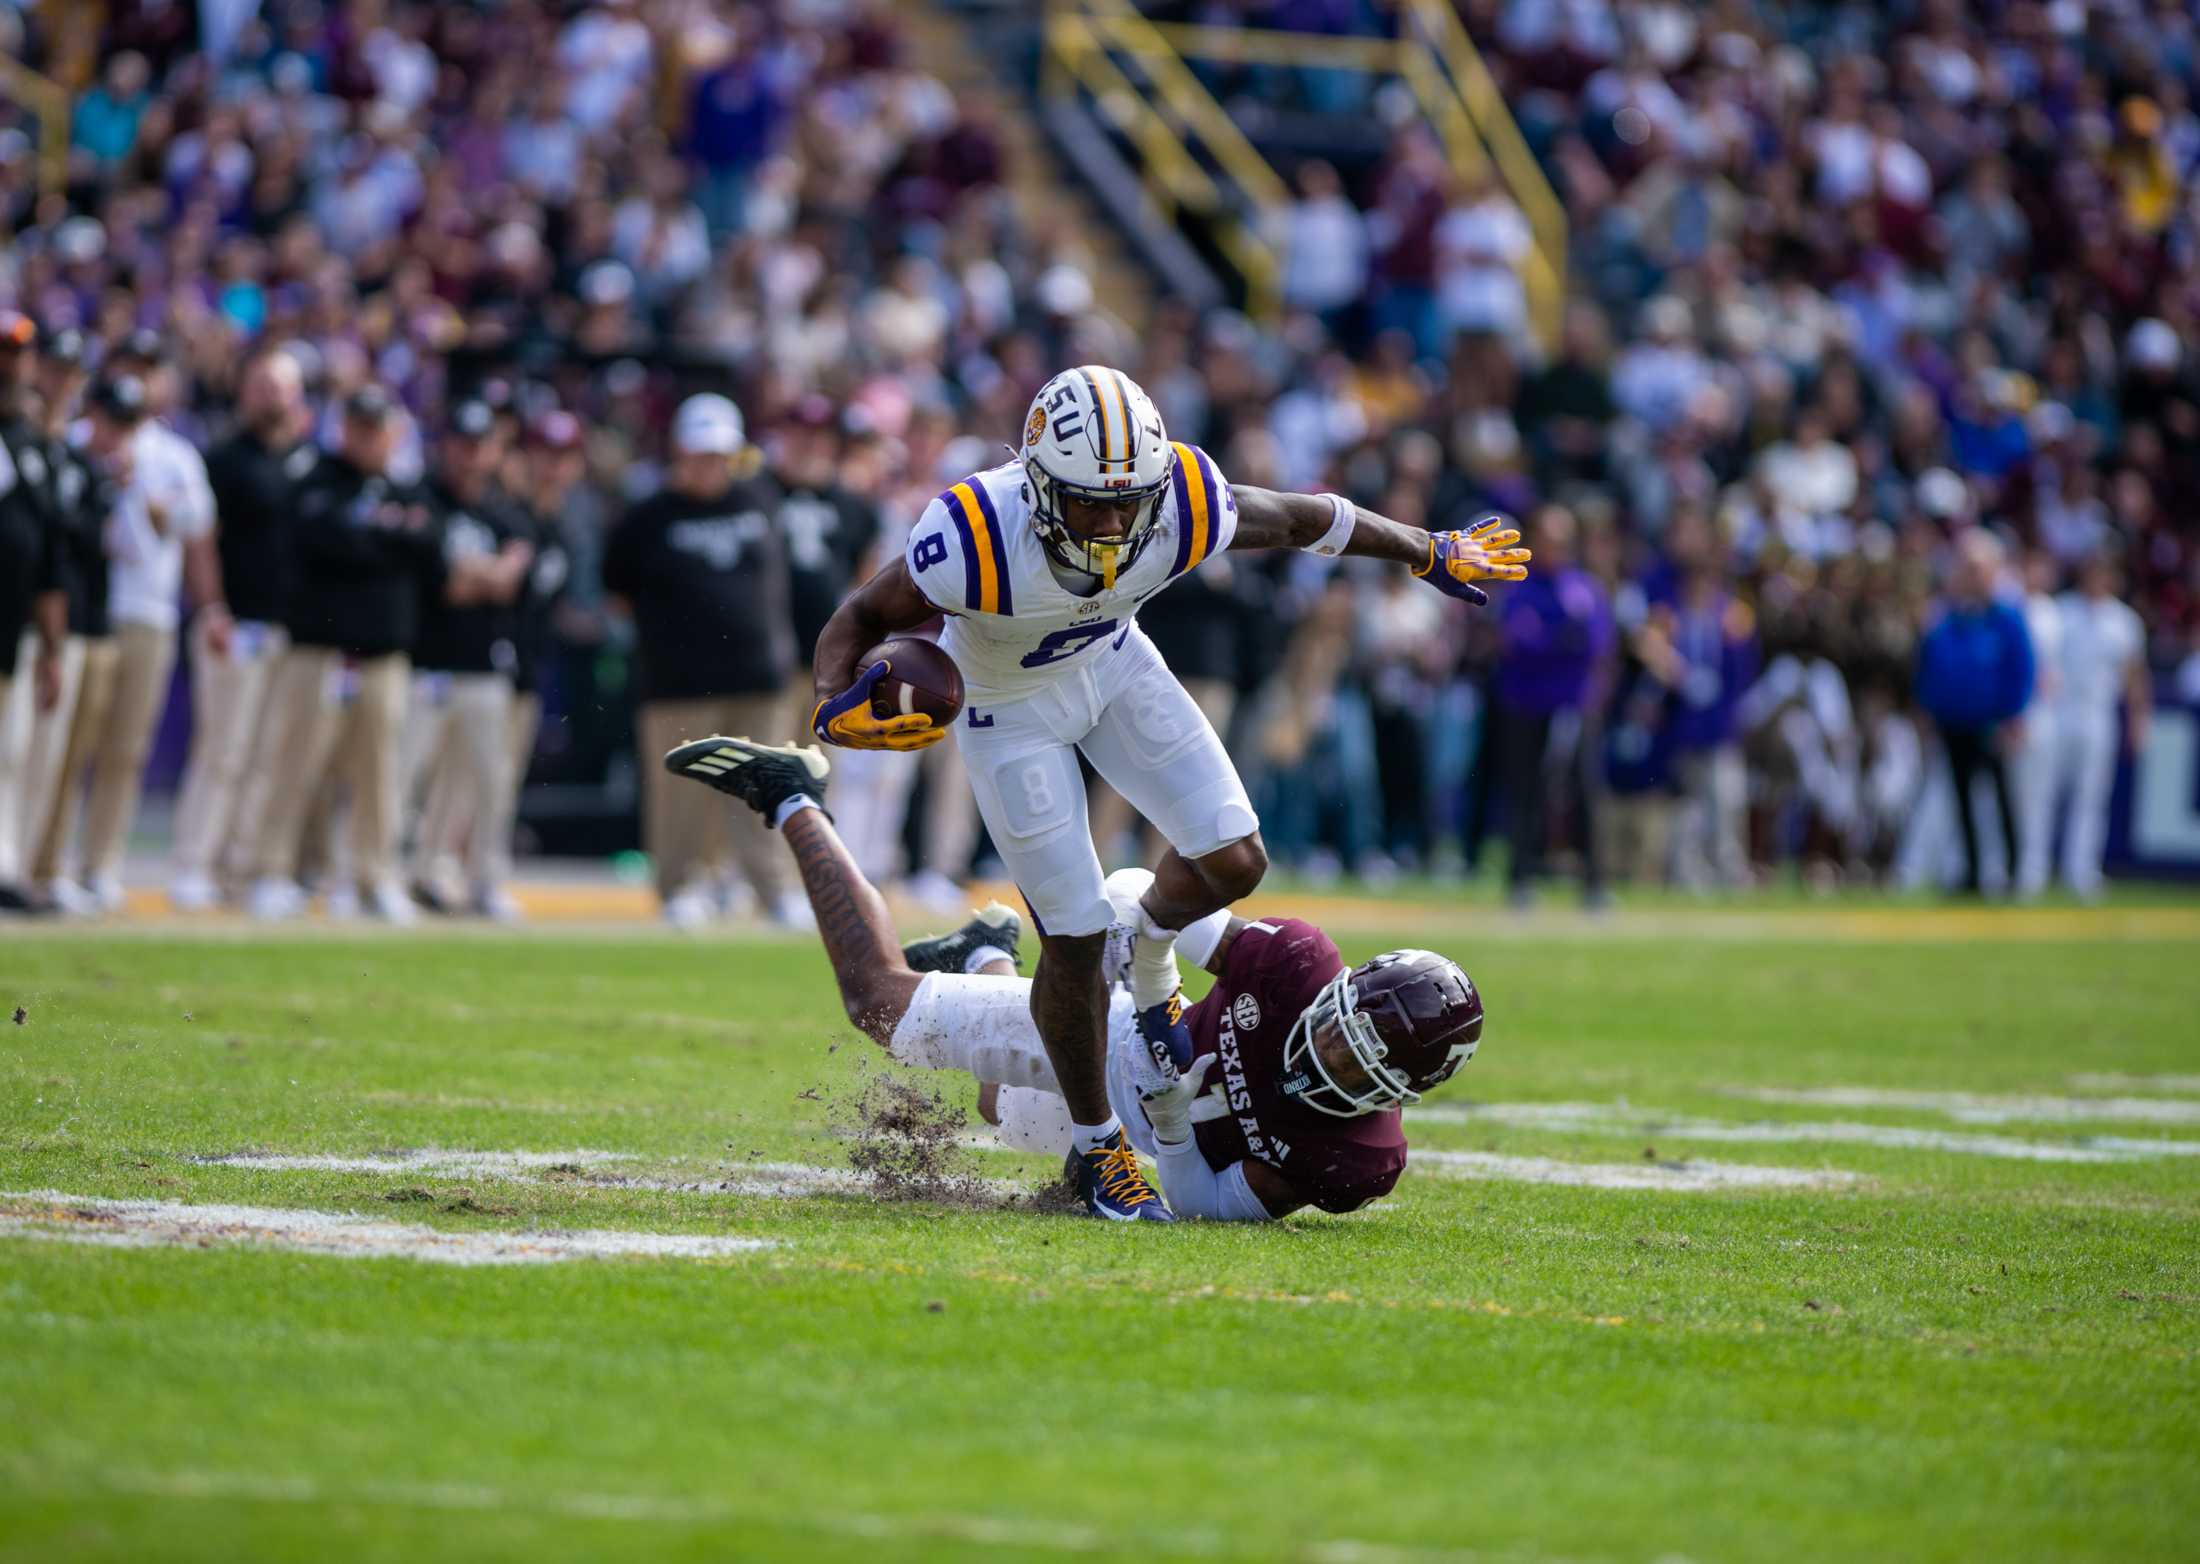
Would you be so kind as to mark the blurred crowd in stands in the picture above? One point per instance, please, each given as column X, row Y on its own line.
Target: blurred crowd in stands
column 451, row 394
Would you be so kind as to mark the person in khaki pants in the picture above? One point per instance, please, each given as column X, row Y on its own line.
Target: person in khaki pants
column 158, row 534
column 702, row 569
column 254, row 474
column 33, row 613
column 460, row 723
column 367, row 554
column 552, row 467
column 79, row 494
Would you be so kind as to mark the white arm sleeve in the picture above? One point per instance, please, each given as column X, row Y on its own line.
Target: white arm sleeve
column 1196, row 941
column 1197, row 1190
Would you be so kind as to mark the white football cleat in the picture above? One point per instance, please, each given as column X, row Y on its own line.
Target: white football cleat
column 106, row 893
column 690, row 910
column 72, row 899
column 935, row 891
column 273, row 899
column 389, row 902
column 193, row 893
column 497, row 906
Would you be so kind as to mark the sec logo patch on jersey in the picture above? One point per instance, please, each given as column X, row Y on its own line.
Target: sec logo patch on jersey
column 1246, row 1012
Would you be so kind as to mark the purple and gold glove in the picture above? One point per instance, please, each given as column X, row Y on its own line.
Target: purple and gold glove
column 846, row 719
column 1485, row 552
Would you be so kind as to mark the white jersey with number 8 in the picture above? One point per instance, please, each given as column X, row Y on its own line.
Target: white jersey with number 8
column 1048, row 674
column 1012, row 628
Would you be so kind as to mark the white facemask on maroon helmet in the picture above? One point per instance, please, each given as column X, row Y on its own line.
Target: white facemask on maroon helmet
column 1409, row 1018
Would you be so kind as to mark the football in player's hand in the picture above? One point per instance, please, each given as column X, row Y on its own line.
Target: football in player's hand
column 921, row 678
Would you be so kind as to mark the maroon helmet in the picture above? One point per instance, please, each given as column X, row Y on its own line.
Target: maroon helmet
column 1408, row 1019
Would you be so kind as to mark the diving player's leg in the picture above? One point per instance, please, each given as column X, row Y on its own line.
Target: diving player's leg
column 785, row 785
column 1026, row 781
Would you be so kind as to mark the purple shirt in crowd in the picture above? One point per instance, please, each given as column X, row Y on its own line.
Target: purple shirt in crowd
column 1558, row 628
column 1717, row 643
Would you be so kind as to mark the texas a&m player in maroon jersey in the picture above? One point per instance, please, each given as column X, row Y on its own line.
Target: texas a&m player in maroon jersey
column 1297, row 1064
column 1297, row 1070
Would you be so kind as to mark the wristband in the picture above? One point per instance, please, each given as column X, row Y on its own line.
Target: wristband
column 1344, row 516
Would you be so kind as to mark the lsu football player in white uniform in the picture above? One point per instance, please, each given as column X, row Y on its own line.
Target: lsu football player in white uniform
column 1040, row 566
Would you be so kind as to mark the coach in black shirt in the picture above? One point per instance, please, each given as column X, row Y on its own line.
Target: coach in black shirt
column 828, row 529
column 702, row 569
column 458, row 730
column 255, row 475
column 79, row 491
column 31, row 594
column 367, row 554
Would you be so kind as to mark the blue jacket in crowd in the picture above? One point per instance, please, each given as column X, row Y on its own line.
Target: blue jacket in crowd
column 1974, row 668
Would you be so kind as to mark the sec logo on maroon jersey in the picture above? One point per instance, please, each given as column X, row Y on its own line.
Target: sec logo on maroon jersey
column 1246, row 1012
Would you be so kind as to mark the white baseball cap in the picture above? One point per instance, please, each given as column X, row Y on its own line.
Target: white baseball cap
column 708, row 425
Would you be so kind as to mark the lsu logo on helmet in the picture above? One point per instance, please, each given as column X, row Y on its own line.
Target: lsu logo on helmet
column 1092, row 434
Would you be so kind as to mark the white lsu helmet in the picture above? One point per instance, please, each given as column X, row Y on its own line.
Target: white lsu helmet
column 1093, row 434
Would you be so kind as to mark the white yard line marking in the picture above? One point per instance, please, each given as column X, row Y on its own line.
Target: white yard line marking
column 140, row 1224
column 985, row 1531
column 422, row 1159
column 1690, row 1177
column 1977, row 1108
column 767, row 1180
column 2098, row 1081
column 1614, row 1119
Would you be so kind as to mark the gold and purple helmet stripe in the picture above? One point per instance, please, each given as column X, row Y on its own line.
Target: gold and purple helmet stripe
column 1130, row 419
column 1110, row 426
column 1198, row 494
column 985, row 551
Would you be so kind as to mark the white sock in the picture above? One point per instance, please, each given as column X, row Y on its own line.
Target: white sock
column 790, row 808
column 1153, row 964
column 984, row 956
column 1087, row 1136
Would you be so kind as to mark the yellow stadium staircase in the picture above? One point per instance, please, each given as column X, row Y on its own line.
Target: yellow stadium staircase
column 1202, row 172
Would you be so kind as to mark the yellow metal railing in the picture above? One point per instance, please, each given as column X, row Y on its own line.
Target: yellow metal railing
column 1435, row 24
column 49, row 100
column 1181, row 131
column 1172, row 120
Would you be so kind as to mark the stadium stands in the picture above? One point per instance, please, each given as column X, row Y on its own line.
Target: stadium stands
column 1838, row 287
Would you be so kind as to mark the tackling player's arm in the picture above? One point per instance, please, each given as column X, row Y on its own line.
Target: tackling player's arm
column 1332, row 524
column 885, row 605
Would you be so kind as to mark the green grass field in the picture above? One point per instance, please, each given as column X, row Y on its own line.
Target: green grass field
column 1921, row 1339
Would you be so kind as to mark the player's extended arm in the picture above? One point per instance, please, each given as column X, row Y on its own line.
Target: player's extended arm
column 876, row 984
column 1332, row 524
column 885, row 605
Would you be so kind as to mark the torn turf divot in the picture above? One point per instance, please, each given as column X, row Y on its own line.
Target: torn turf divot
column 138, row 1224
column 421, row 1159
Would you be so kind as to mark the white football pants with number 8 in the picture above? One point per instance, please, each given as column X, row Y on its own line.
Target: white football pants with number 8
column 1142, row 733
